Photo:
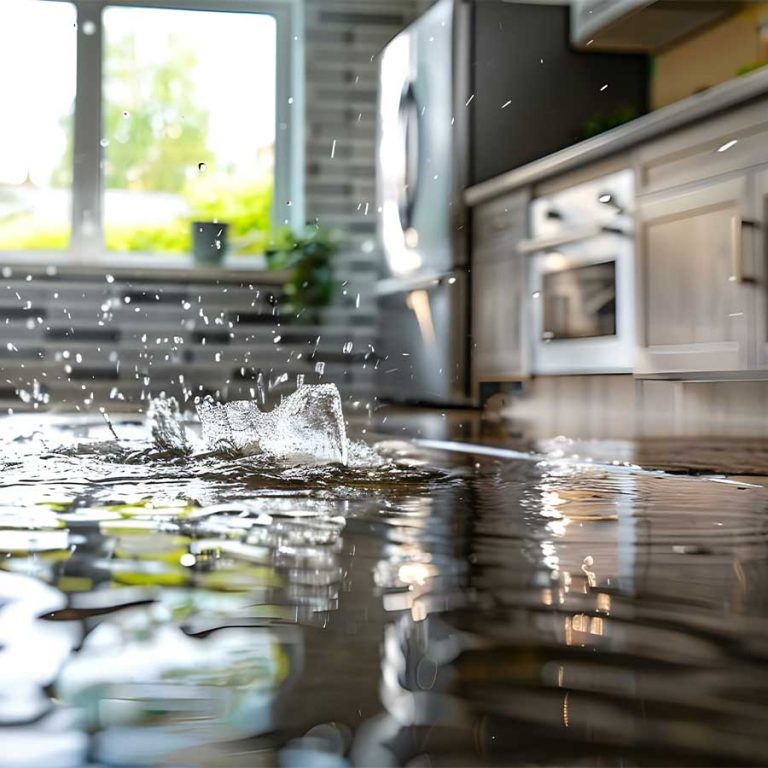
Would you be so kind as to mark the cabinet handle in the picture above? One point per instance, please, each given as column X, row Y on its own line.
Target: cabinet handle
column 737, row 250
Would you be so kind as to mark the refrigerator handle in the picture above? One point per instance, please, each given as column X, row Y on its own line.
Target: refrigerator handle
column 410, row 122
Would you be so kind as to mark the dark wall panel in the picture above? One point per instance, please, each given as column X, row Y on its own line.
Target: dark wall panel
column 522, row 55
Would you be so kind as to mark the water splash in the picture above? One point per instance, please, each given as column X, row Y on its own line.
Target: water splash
column 168, row 430
column 308, row 423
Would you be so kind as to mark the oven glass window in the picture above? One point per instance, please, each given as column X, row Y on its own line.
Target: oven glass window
column 580, row 302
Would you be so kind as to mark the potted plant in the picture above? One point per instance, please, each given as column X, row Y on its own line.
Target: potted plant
column 209, row 242
column 307, row 257
column 229, row 215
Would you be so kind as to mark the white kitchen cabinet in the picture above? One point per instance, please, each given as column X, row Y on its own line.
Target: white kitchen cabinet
column 697, row 279
column 498, row 287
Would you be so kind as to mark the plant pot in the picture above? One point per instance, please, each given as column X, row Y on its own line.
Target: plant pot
column 209, row 242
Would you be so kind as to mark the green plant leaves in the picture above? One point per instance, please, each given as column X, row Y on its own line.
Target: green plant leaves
column 308, row 257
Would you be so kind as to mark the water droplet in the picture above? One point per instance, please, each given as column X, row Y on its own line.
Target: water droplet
column 109, row 279
column 347, row 348
column 202, row 167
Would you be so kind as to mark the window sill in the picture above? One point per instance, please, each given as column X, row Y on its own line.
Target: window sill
column 251, row 268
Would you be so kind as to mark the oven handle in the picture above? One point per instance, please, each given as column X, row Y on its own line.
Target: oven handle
column 525, row 247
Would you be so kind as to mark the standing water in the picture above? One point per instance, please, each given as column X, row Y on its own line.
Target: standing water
column 259, row 589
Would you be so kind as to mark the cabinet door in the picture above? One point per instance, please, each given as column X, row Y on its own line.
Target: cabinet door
column 758, row 233
column 498, row 286
column 695, row 271
column 496, row 307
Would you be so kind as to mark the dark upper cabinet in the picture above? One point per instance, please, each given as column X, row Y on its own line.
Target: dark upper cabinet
column 534, row 94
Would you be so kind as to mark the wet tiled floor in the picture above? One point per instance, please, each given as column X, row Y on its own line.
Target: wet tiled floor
column 441, row 608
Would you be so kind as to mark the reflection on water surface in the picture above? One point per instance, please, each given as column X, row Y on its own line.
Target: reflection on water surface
column 433, row 609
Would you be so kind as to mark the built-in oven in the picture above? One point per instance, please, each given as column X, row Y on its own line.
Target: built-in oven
column 581, row 278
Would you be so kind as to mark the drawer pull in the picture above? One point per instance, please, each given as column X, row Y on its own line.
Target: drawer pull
column 737, row 249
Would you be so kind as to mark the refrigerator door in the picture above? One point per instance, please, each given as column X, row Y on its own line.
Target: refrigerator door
column 420, row 142
column 423, row 344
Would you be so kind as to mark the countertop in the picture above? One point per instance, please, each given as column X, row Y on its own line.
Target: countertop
column 719, row 98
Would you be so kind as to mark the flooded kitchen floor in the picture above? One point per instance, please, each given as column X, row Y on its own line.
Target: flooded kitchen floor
column 435, row 609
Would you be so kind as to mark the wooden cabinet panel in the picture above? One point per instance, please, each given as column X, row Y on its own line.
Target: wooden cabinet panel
column 498, row 290
column 497, row 326
column 695, row 278
column 688, row 265
column 735, row 141
column 504, row 219
column 758, row 234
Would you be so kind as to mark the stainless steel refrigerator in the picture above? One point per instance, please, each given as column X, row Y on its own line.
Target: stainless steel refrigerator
column 421, row 158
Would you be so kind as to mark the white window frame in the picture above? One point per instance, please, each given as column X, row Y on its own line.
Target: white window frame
column 87, row 236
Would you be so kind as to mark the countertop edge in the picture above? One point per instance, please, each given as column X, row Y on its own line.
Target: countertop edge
column 716, row 99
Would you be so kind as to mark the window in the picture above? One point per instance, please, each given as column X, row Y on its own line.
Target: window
column 38, row 40
column 185, row 110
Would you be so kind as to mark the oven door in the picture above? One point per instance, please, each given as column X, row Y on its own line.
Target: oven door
column 582, row 307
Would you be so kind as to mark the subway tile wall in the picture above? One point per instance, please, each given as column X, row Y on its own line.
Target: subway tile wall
column 344, row 38
column 71, row 340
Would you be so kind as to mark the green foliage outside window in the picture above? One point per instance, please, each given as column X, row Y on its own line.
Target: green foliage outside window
column 245, row 206
column 157, row 134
